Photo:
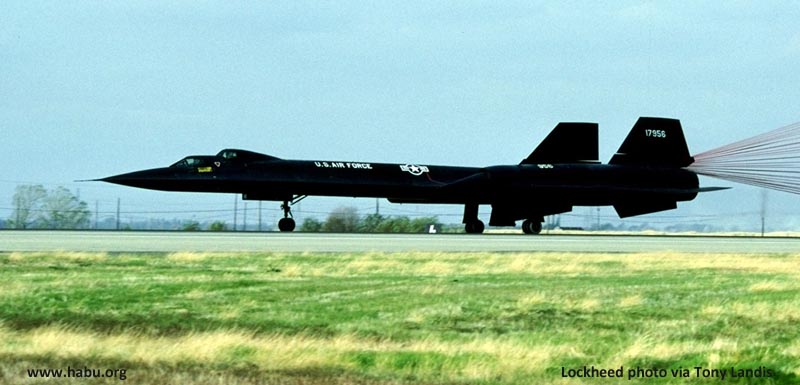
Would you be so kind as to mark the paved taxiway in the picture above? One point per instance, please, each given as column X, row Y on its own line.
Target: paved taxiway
column 112, row 241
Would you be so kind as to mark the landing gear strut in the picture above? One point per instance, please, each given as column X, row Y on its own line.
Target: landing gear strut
column 472, row 225
column 286, row 224
column 532, row 226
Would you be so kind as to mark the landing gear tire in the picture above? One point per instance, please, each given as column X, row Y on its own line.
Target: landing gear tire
column 286, row 224
column 531, row 226
column 475, row 227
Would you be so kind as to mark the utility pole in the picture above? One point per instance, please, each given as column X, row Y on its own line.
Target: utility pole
column 598, row 218
column 259, row 216
column 118, row 202
column 19, row 225
column 235, row 211
column 96, row 213
column 763, row 209
column 377, row 206
column 244, row 219
column 587, row 218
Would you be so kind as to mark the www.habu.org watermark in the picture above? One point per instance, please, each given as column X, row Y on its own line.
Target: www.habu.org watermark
column 85, row 372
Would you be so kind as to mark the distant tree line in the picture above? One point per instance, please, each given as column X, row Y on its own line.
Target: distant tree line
column 196, row 226
column 347, row 220
column 35, row 207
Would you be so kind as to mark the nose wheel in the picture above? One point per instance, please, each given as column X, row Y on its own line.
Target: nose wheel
column 287, row 224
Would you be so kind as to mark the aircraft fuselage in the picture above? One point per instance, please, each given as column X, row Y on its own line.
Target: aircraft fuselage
column 647, row 174
column 544, row 184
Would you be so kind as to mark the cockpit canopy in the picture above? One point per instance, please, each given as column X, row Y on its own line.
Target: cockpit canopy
column 243, row 156
column 225, row 156
column 194, row 161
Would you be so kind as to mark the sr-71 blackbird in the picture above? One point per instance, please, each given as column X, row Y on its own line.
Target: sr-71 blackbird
column 647, row 174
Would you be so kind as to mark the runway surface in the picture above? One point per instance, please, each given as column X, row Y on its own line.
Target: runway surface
column 127, row 241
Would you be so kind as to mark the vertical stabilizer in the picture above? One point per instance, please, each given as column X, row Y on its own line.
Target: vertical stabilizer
column 567, row 143
column 654, row 142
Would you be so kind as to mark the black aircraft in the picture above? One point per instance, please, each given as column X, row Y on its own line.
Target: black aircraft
column 647, row 174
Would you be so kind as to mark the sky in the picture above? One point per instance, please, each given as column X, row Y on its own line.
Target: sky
column 90, row 89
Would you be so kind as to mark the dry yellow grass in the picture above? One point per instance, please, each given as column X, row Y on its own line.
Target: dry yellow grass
column 444, row 264
column 766, row 286
column 755, row 263
column 532, row 299
column 582, row 304
column 787, row 311
column 440, row 264
column 190, row 257
column 793, row 350
column 653, row 346
column 68, row 256
column 630, row 301
column 768, row 311
column 279, row 352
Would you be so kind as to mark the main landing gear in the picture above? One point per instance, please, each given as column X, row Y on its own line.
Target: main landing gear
column 286, row 224
column 472, row 225
column 532, row 226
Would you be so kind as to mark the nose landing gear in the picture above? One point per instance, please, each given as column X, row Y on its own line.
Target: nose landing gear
column 287, row 224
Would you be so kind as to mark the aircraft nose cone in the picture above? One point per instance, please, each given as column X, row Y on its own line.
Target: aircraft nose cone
column 112, row 179
column 144, row 179
column 129, row 179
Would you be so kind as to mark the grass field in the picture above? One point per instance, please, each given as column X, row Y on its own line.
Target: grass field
column 420, row 318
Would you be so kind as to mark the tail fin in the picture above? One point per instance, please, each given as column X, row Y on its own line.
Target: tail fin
column 654, row 142
column 567, row 143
